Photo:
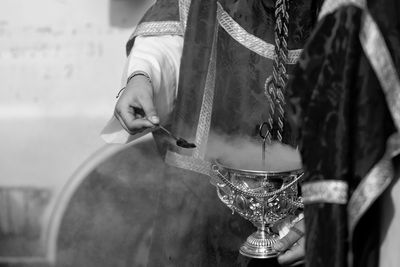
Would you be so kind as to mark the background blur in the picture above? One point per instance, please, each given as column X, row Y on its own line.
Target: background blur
column 60, row 68
column 61, row 188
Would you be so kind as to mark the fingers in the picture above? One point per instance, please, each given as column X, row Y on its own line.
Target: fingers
column 293, row 256
column 288, row 240
column 131, row 121
column 149, row 109
column 135, row 108
column 292, row 245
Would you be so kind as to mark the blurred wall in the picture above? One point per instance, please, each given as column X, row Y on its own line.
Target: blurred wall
column 60, row 68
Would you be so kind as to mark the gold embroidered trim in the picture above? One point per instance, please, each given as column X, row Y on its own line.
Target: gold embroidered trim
column 187, row 162
column 378, row 54
column 330, row 6
column 158, row 28
column 380, row 176
column 203, row 126
column 374, row 183
column 250, row 41
column 327, row 191
column 184, row 6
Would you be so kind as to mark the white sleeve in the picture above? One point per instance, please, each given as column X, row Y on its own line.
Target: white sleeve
column 159, row 57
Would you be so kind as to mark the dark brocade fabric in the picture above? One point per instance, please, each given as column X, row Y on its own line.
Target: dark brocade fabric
column 165, row 10
column 344, row 120
column 239, row 102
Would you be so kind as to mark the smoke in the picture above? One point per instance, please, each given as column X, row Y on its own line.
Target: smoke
column 109, row 221
column 243, row 152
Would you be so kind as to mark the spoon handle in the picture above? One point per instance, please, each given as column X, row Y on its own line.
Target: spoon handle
column 168, row 132
column 162, row 128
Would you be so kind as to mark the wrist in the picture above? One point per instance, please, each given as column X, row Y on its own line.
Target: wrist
column 134, row 74
column 139, row 73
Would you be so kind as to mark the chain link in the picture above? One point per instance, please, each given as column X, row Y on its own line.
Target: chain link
column 276, row 84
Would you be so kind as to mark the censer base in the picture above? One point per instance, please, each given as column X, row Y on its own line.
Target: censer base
column 259, row 245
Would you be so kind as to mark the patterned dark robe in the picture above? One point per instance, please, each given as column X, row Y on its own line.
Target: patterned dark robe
column 346, row 97
column 227, row 57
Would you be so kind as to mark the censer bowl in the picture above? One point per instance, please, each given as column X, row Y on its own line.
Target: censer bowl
column 262, row 197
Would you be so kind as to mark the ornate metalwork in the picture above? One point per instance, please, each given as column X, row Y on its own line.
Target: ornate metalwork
column 276, row 83
column 262, row 197
column 279, row 72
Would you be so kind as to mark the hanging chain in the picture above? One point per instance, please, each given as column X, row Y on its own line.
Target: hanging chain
column 275, row 85
column 279, row 73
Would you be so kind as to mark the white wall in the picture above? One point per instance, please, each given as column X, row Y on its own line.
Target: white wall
column 60, row 67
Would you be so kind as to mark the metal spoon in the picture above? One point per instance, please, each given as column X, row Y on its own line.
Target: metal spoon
column 179, row 141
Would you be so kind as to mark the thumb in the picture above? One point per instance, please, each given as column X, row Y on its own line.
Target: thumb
column 150, row 110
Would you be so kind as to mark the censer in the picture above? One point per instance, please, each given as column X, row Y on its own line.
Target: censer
column 262, row 197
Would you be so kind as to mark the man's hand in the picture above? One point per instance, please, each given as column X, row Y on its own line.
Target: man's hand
column 135, row 106
column 292, row 246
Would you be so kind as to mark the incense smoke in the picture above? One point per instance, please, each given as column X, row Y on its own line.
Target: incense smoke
column 242, row 152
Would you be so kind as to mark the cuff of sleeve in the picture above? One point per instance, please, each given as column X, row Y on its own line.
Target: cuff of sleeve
column 137, row 65
column 139, row 72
